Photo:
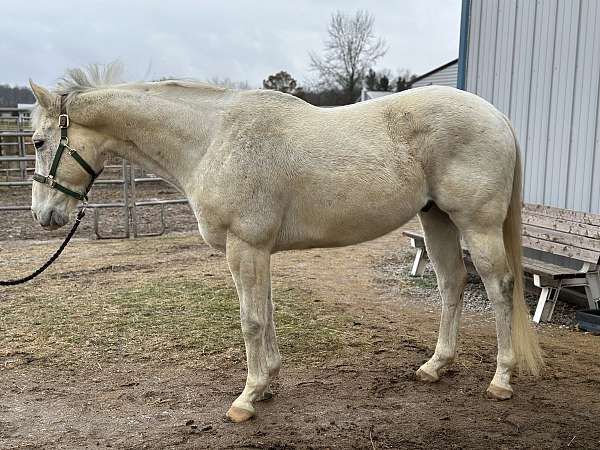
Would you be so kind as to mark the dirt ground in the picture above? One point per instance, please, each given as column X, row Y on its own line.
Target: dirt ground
column 136, row 344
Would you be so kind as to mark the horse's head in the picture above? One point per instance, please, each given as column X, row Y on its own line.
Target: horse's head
column 68, row 158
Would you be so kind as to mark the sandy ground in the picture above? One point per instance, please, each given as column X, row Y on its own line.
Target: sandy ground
column 96, row 354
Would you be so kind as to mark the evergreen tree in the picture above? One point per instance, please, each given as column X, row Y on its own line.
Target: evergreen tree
column 371, row 80
column 281, row 81
column 383, row 83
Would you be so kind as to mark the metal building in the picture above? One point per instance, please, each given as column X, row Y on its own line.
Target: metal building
column 370, row 95
column 445, row 75
column 539, row 63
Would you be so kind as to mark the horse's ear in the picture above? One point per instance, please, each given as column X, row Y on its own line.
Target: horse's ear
column 45, row 98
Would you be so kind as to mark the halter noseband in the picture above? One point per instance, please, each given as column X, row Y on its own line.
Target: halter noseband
column 50, row 180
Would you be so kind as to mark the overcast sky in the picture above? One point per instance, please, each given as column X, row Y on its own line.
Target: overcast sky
column 239, row 39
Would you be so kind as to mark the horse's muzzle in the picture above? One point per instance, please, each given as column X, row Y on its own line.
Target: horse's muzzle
column 50, row 219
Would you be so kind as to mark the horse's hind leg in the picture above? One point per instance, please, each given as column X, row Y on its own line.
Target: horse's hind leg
column 443, row 246
column 486, row 246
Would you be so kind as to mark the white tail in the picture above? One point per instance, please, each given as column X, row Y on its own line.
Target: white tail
column 525, row 343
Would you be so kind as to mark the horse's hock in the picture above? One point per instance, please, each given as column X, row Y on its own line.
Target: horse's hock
column 561, row 248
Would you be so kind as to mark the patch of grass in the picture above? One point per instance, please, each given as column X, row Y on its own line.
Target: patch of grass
column 395, row 267
column 427, row 281
column 158, row 320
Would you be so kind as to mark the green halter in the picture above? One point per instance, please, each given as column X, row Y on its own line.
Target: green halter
column 50, row 179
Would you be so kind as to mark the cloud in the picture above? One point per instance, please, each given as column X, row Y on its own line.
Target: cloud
column 243, row 40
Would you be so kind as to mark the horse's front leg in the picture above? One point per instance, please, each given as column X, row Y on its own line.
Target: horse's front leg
column 250, row 267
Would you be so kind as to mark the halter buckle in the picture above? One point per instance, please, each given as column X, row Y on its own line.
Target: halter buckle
column 51, row 181
column 63, row 121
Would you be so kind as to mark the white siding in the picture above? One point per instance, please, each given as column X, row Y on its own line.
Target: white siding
column 539, row 63
column 444, row 77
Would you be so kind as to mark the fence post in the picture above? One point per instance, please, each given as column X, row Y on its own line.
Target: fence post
column 133, row 200
column 125, row 179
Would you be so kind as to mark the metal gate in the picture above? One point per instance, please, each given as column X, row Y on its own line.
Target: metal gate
column 17, row 155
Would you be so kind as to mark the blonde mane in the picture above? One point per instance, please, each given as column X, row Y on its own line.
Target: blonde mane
column 94, row 76
column 78, row 80
column 97, row 76
column 88, row 78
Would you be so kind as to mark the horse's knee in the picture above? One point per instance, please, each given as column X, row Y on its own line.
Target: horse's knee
column 251, row 328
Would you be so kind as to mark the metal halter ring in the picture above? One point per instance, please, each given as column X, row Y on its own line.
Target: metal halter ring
column 63, row 121
column 71, row 150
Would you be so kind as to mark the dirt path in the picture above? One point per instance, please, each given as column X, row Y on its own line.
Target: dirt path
column 98, row 354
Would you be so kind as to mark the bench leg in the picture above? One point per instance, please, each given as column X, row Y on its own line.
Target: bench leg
column 592, row 289
column 546, row 303
column 419, row 264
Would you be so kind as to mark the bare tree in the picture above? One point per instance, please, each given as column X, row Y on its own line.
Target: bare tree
column 12, row 95
column 350, row 49
column 229, row 83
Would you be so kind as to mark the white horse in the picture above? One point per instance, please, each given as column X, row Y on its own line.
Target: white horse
column 266, row 172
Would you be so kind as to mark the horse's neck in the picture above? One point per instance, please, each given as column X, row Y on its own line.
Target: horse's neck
column 169, row 132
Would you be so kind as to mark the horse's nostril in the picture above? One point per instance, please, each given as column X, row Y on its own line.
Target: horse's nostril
column 54, row 219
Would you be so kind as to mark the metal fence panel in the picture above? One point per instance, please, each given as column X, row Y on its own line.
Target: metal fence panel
column 18, row 150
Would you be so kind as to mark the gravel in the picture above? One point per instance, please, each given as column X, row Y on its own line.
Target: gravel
column 395, row 280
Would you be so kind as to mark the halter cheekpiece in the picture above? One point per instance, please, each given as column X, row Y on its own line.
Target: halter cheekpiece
column 50, row 179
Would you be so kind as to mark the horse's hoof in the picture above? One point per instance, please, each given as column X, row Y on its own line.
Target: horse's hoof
column 426, row 376
column 238, row 415
column 499, row 393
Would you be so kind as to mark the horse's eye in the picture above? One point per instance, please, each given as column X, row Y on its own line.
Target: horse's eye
column 38, row 143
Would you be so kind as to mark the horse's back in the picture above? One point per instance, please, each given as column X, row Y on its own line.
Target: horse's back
column 380, row 161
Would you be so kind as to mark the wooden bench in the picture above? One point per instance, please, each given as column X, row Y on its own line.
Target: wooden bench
column 561, row 247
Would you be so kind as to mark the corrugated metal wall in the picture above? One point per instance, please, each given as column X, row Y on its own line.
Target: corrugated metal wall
column 539, row 63
column 444, row 77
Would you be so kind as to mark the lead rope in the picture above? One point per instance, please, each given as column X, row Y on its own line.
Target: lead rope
column 80, row 215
